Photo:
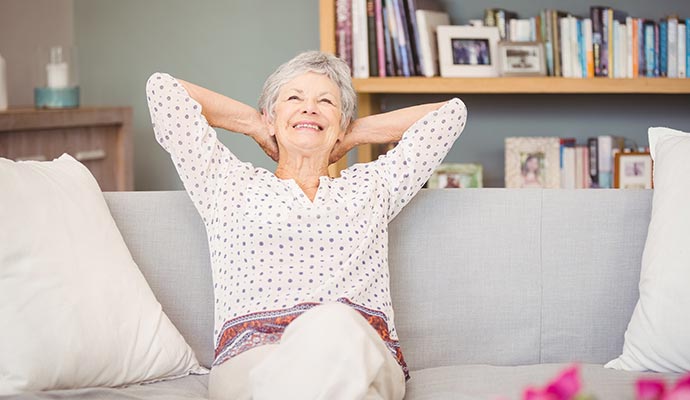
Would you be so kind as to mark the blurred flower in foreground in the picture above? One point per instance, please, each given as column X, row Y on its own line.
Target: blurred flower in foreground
column 655, row 389
column 566, row 386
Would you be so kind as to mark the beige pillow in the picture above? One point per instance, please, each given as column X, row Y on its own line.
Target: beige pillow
column 75, row 309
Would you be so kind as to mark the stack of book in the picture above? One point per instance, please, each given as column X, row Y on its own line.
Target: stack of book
column 388, row 37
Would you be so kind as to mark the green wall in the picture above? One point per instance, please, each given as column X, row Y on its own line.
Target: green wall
column 231, row 46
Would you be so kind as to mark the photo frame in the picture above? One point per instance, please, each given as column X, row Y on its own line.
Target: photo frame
column 456, row 175
column 532, row 162
column 521, row 59
column 633, row 171
column 468, row 51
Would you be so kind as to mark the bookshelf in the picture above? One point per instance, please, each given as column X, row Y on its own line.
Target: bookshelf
column 369, row 90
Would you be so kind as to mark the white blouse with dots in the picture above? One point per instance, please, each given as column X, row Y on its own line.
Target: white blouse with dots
column 275, row 253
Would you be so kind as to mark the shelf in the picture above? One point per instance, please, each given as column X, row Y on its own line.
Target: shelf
column 523, row 85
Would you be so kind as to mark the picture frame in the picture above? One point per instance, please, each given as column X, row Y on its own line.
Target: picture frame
column 532, row 162
column 468, row 51
column 521, row 59
column 633, row 170
column 456, row 175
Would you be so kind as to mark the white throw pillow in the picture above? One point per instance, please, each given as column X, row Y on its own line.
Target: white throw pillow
column 75, row 311
column 658, row 336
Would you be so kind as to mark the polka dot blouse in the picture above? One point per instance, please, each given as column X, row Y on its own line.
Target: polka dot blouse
column 275, row 253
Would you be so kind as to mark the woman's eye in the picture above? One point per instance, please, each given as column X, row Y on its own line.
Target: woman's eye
column 327, row 101
column 293, row 98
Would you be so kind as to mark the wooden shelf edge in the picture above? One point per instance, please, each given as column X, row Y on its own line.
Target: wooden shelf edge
column 523, row 85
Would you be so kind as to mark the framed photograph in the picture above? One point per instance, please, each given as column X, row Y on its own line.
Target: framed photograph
column 467, row 51
column 532, row 162
column 461, row 176
column 632, row 171
column 521, row 59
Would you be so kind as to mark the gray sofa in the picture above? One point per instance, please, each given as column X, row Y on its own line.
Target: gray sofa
column 494, row 289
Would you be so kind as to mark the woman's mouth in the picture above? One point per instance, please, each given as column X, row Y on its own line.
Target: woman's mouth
column 308, row 125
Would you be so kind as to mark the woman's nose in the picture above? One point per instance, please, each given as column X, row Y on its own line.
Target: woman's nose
column 310, row 107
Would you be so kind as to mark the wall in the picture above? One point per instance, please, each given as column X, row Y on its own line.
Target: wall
column 231, row 46
column 26, row 26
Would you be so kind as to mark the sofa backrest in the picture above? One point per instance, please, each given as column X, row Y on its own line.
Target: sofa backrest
column 490, row 276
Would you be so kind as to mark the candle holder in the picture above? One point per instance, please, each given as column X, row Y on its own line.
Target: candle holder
column 56, row 78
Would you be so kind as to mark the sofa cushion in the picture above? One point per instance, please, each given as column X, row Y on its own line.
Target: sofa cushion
column 657, row 336
column 481, row 382
column 75, row 309
column 191, row 387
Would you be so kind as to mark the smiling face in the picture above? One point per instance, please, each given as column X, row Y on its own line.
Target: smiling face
column 307, row 116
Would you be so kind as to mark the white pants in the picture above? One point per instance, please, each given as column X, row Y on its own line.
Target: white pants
column 329, row 352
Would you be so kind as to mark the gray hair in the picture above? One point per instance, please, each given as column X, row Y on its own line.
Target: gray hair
column 312, row 61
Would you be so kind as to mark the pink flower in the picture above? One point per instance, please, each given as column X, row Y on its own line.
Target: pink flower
column 564, row 387
column 655, row 389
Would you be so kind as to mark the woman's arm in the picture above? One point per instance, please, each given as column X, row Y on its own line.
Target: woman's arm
column 223, row 112
column 381, row 128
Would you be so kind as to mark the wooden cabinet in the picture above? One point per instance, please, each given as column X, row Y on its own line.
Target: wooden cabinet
column 369, row 90
column 100, row 138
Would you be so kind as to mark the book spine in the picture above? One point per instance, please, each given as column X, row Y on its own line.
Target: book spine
column 371, row 39
column 649, row 48
column 592, row 144
column 393, row 30
column 610, row 35
column 360, row 50
column 672, row 48
column 657, row 52
column 629, row 48
column 605, row 146
column 604, row 42
column 549, row 43
column 589, row 52
column 622, row 50
column 682, row 49
column 343, row 30
column 402, row 38
column 387, row 41
column 635, row 49
column 380, row 43
column 687, row 47
column 597, row 30
column 663, row 48
column 566, row 65
column 414, row 35
column 642, row 57
column 581, row 53
column 555, row 24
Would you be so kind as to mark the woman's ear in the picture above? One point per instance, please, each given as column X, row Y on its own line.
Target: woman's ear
column 269, row 123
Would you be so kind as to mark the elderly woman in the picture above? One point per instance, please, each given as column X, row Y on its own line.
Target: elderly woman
column 300, row 260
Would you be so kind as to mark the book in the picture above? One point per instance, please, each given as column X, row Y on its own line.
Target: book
column 343, row 30
column 387, row 41
column 606, row 146
column 413, row 27
column 682, row 49
column 672, row 47
column 371, row 39
column 360, row 40
column 566, row 54
column 593, row 153
column 500, row 18
column 588, row 51
column 392, row 28
column 556, row 40
column 649, row 51
column 427, row 21
column 597, row 39
column 663, row 48
column 567, row 163
column 380, row 41
column 403, row 41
